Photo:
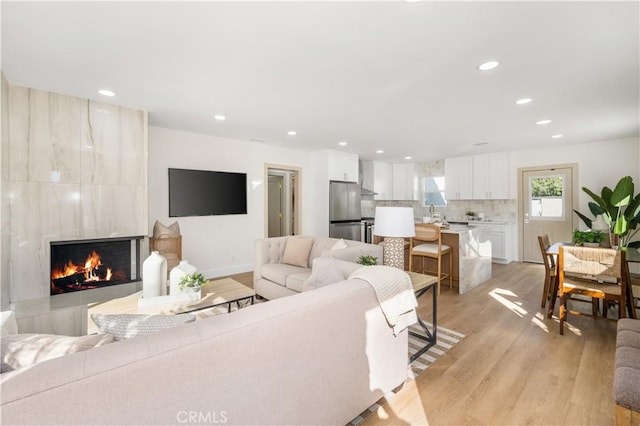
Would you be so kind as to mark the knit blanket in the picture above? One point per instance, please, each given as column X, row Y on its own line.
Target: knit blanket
column 394, row 292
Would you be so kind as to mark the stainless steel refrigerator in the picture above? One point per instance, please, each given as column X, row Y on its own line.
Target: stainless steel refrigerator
column 344, row 211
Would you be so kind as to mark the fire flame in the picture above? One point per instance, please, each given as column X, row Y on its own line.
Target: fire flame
column 91, row 266
column 90, row 270
column 68, row 269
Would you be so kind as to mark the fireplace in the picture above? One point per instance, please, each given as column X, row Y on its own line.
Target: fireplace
column 90, row 264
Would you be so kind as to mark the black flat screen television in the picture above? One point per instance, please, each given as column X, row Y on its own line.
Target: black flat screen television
column 206, row 193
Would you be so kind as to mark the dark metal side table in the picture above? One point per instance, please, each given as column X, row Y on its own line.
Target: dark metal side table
column 421, row 284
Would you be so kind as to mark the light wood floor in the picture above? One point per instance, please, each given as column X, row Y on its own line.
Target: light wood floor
column 513, row 367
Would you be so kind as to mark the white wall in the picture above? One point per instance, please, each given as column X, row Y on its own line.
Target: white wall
column 220, row 245
column 599, row 164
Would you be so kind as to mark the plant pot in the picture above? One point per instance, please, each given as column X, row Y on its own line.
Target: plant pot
column 593, row 245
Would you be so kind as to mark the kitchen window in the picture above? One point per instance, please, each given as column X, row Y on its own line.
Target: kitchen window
column 433, row 191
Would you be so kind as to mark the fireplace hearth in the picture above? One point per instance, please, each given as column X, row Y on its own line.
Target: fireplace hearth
column 89, row 264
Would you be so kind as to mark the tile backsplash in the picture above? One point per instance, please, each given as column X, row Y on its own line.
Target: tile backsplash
column 492, row 209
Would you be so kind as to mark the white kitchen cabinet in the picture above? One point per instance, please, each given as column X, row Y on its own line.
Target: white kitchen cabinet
column 458, row 178
column 501, row 236
column 491, row 176
column 404, row 181
column 382, row 185
column 343, row 166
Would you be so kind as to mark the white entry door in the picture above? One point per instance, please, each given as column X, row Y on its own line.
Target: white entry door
column 547, row 203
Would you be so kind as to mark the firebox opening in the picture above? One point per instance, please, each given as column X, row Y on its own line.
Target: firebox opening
column 90, row 264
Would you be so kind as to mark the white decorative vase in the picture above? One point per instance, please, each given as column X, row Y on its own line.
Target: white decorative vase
column 154, row 275
column 176, row 274
column 600, row 225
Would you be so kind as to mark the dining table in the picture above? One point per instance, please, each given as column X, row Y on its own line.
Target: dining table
column 632, row 255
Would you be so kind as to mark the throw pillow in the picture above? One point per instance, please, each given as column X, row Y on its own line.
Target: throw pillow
column 296, row 251
column 8, row 323
column 163, row 231
column 126, row 326
column 325, row 271
column 340, row 244
column 23, row 350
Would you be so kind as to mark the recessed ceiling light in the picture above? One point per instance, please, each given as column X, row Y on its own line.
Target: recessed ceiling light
column 105, row 92
column 343, row 143
column 408, row 157
column 292, row 133
column 489, row 65
column 220, row 117
column 543, row 122
column 379, row 151
column 557, row 136
column 523, row 101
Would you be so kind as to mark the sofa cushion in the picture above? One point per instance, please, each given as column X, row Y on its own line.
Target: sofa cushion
column 126, row 326
column 23, row 350
column 278, row 272
column 296, row 252
column 295, row 281
column 8, row 323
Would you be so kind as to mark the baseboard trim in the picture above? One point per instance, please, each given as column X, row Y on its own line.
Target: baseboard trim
column 227, row 270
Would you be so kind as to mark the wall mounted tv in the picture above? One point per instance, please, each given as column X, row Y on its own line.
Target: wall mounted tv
column 205, row 193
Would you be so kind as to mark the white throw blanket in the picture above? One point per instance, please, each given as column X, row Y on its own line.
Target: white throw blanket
column 394, row 292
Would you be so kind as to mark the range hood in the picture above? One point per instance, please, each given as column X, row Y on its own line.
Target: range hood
column 363, row 190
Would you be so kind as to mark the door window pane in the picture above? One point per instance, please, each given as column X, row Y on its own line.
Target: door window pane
column 547, row 197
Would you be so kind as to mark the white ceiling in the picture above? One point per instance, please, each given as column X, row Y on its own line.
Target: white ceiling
column 380, row 75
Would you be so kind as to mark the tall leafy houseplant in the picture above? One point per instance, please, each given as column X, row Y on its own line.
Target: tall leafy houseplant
column 619, row 208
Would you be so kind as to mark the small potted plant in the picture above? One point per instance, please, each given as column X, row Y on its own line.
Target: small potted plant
column 368, row 260
column 192, row 282
column 471, row 215
column 588, row 238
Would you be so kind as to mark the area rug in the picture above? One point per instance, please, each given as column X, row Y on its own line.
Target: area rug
column 447, row 339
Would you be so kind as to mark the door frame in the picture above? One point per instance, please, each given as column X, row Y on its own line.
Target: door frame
column 297, row 171
column 519, row 200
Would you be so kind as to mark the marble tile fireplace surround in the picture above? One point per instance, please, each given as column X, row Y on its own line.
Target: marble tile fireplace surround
column 76, row 170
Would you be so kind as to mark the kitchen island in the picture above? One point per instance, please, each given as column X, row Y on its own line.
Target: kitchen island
column 471, row 256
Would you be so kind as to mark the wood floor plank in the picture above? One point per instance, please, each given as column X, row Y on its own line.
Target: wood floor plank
column 513, row 367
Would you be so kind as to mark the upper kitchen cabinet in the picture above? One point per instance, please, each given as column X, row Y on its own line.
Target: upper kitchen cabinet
column 458, row 178
column 343, row 166
column 382, row 184
column 404, row 181
column 491, row 176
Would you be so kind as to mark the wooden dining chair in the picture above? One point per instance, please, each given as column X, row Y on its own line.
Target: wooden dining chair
column 593, row 272
column 428, row 243
column 549, row 261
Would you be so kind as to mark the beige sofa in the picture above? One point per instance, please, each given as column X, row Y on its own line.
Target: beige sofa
column 272, row 278
column 318, row 357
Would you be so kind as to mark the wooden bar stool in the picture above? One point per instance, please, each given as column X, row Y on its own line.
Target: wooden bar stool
column 428, row 243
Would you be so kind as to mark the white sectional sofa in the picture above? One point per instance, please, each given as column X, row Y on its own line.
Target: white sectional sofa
column 317, row 357
column 277, row 275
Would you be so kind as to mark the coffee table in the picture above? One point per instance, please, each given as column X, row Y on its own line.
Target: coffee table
column 226, row 291
column 217, row 292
